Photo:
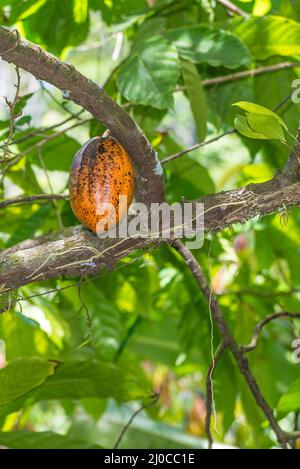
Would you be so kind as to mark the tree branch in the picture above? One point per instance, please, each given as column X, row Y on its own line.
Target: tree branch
column 32, row 198
column 72, row 251
column 170, row 158
column 85, row 253
column 259, row 327
column 228, row 339
column 249, row 73
column 82, row 91
column 233, row 8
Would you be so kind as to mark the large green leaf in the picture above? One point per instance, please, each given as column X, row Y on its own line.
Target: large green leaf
column 196, row 95
column 79, row 379
column 21, row 376
column 92, row 378
column 21, row 9
column 120, row 11
column 205, row 44
column 42, row 440
column 188, row 179
column 270, row 36
column 106, row 327
column 67, row 31
column 150, row 74
column 28, row 227
column 290, row 401
column 57, row 153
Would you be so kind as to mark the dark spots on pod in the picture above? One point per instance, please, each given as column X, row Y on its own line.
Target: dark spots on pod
column 101, row 172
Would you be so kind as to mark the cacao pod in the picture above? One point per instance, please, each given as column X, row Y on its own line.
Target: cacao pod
column 101, row 172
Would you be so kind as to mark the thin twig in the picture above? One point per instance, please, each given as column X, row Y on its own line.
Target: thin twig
column 233, row 8
column 85, row 308
column 170, row 158
column 32, row 198
column 229, row 340
column 42, row 142
column 259, row 293
column 12, row 116
column 209, row 392
column 56, row 101
column 249, row 73
column 137, row 412
column 259, row 327
column 43, row 130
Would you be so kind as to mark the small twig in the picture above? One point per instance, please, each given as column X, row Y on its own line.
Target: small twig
column 88, row 316
column 254, row 341
column 209, row 392
column 59, row 103
column 39, row 144
column 12, row 116
column 233, row 8
column 137, row 412
column 293, row 436
column 170, row 158
column 259, row 293
column 32, row 198
column 249, row 73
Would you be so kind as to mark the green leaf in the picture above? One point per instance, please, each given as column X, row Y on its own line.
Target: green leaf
column 242, row 126
column 21, row 9
column 4, row 124
column 266, row 125
column 196, row 96
column 21, row 103
column 42, row 440
column 204, row 44
column 92, row 378
column 150, row 74
column 188, row 179
column 290, row 402
column 80, row 10
column 57, row 153
column 60, row 30
column 28, row 227
column 257, row 109
column 259, row 122
column 270, row 36
column 22, row 375
column 106, row 322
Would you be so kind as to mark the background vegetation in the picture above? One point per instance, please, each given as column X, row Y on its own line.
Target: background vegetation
column 80, row 355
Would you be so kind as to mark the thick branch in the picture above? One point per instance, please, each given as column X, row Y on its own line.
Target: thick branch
column 78, row 246
column 72, row 251
column 94, row 99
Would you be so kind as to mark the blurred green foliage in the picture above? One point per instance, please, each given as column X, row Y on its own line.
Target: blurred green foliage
column 77, row 352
